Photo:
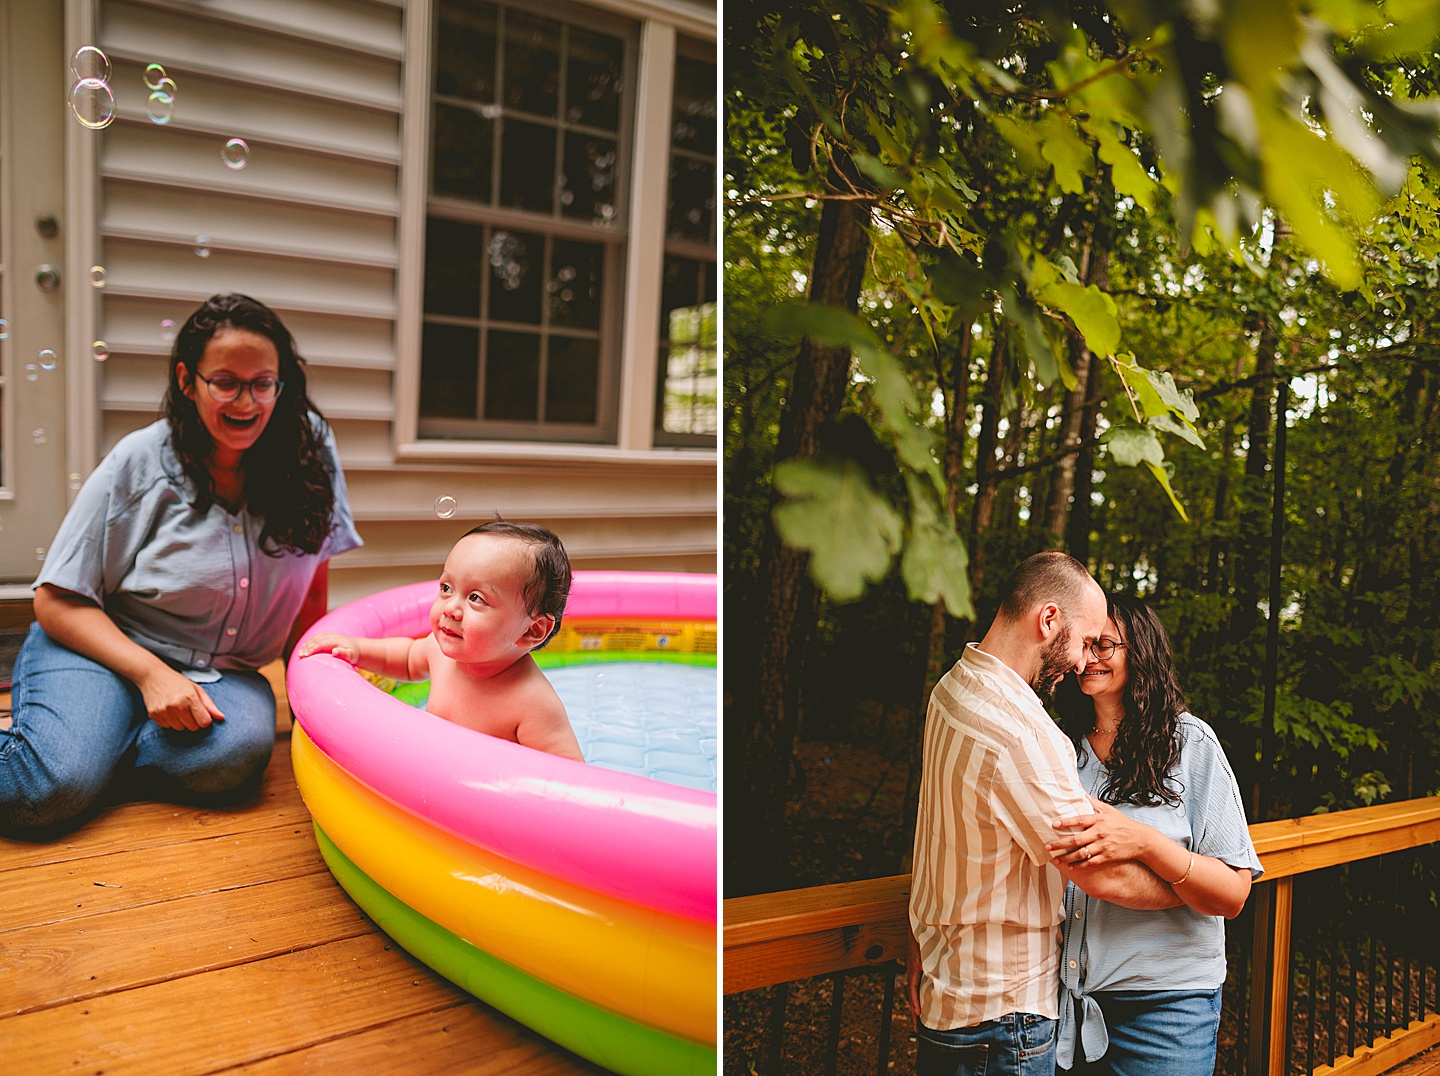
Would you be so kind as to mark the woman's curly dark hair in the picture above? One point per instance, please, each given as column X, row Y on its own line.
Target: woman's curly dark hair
column 1147, row 744
column 288, row 474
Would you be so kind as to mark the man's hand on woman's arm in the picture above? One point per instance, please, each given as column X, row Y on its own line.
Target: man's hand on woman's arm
column 73, row 621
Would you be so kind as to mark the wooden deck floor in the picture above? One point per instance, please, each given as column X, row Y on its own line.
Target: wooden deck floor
column 163, row 939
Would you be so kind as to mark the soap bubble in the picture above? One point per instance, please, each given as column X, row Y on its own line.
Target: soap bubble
column 161, row 107
column 39, row 552
column 48, row 359
column 93, row 103
column 236, row 154
column 97, row 276
column 4, row 329
column 32, row 372
column 202, row 246
column 155, row 77
column 445, row 507
column 167, row 329
column 74, row 480
column 101, row 350
column 90, row 62
column 38, row 435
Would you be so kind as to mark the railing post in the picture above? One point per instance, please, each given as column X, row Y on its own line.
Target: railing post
column 1270, row 977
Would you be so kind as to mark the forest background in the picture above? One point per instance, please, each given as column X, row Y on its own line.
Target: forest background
column 1064, row 265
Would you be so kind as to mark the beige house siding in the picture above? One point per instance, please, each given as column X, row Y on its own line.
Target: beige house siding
column 313, row 226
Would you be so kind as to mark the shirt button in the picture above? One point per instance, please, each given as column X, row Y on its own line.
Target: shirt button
column 1072, row 963
column 1077, row 914
column 201, row 663
column 244, row 583
column 237, row 528
column 231, row 631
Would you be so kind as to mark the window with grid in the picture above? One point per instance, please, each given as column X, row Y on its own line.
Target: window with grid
column 687, row 402
column 526, row 224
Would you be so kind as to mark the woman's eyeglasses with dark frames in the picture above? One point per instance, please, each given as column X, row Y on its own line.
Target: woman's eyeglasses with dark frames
column 1103, row 649
column 225, row 389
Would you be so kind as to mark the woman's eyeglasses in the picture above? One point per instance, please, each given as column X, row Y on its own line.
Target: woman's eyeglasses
column 1103, row 649
column 225, row 389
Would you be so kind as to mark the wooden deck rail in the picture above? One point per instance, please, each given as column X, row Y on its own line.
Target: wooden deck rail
column 775, row 938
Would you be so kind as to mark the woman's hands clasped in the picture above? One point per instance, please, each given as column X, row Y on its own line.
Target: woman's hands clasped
column 1107, row 836
column 176, row 702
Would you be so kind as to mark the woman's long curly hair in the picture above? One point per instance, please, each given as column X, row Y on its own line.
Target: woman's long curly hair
column 1147, row 744
column 288, row 475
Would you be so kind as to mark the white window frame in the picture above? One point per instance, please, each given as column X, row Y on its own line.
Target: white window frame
column 660, row 24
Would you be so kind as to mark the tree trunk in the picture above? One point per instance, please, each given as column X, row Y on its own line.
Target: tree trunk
column 764, row 708
column 938, row 649
column 980, row 514
column 1094, row 269
column 1252, row 539
column 1077, row 529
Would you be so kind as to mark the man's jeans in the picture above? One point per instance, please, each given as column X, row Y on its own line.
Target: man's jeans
column 77, row 725
column 1016, row 1044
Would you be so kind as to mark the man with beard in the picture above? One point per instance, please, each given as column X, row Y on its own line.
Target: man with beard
column 985, row 900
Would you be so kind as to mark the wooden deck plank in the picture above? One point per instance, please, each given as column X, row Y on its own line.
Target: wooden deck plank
column 133, row 826
column 97, row 884
column 47, row 965
column 466, row 1038
column 237, row 1015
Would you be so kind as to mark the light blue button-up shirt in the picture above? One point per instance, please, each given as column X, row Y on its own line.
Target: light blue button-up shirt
column 193, row 588
column 1107, row 947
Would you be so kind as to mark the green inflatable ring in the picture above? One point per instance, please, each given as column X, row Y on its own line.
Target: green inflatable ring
column 595, row 1034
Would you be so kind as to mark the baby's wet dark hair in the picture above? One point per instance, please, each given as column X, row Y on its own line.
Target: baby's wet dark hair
column 548, row 588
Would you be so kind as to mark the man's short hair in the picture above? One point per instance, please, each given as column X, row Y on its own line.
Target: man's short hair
column 548, row 588
column 1045, row 577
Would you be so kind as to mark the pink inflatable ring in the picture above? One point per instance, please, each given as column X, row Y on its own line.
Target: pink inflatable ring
column 646, row 842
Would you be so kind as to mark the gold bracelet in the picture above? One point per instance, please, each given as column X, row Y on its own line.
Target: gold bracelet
column 1188, row 869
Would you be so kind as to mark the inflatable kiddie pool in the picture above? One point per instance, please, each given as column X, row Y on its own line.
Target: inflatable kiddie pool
column 575, row 898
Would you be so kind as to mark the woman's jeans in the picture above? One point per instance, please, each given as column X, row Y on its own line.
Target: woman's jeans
column 78, row 726
column 1156, row 1033
column 1016, row 1044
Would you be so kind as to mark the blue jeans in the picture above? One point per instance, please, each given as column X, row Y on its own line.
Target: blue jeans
column 1157, row 1033
column 1016, row 1044
column 78, row 727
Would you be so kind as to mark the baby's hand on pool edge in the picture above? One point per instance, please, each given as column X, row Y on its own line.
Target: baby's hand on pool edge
column 342, row 646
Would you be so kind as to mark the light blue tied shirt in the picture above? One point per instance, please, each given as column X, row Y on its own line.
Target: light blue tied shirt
column 1107, row 947
column 194, row 588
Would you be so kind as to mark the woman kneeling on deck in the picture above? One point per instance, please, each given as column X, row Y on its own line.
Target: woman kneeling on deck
column 192, row 556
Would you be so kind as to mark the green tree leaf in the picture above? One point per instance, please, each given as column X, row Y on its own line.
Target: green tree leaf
column 934, row 564
column 833, row 510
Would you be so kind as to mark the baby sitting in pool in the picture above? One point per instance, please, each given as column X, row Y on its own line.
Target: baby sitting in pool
column 502, row 595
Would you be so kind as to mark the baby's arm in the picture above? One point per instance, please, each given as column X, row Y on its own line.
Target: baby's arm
column 397, row 658
column 546, row 728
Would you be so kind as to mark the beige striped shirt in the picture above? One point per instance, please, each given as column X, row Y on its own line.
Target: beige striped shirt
column 985, row 901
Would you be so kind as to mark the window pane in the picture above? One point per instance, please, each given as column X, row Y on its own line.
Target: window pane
column 452, row 267
column 575, row 284
column 532, row 63
column 687, row 389
column 570, row 380
column 693, row 109
column 465, row 53
column 517, row 262
column 527, row 169
column 512, row 376
column 592, row 79
column 463, row 153
column 587, row 189
column 691, row 210
column 449, row 362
